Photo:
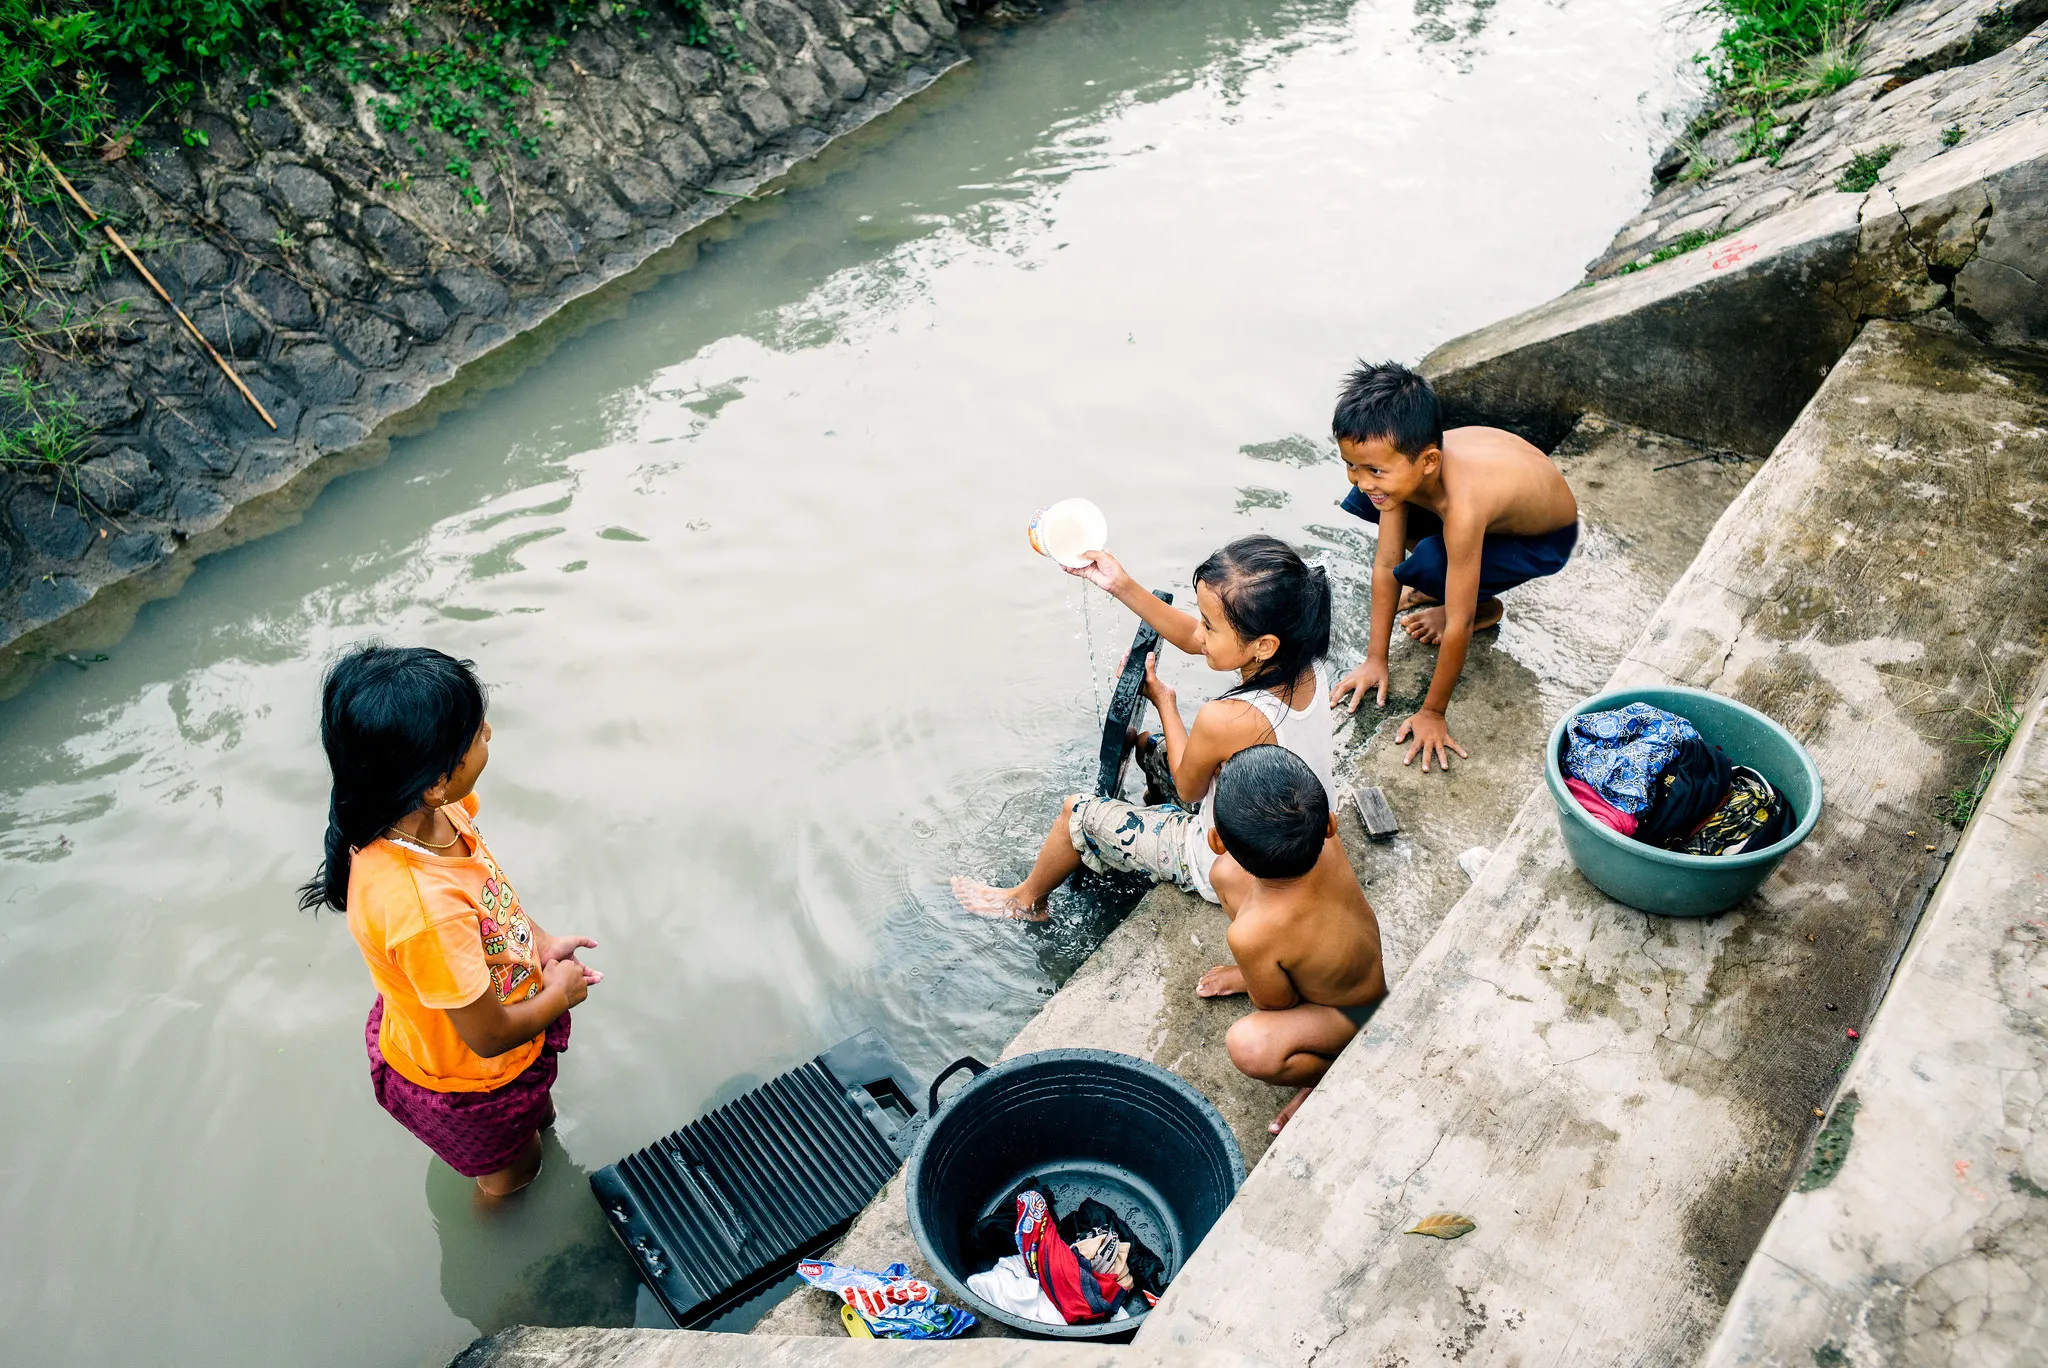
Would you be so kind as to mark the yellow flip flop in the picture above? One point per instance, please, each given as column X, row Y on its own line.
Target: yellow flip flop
column 855, row 1326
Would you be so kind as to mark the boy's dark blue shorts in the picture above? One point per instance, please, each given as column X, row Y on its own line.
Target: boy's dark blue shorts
column 1504, row 561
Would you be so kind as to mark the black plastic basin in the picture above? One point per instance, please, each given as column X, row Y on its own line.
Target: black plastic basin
column 1092, row 1123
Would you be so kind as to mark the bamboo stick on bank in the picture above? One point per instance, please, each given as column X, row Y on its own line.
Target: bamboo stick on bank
column 143, row 271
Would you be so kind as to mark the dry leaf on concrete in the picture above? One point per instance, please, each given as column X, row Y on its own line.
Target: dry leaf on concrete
column 1445, row 1225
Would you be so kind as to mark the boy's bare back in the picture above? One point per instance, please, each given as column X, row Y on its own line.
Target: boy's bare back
column 1318, row 930
column 1507, row 485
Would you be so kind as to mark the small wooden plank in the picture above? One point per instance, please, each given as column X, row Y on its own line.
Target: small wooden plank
column 1376, row 813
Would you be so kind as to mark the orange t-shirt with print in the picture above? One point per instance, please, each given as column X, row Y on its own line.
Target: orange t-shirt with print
column 436, row 930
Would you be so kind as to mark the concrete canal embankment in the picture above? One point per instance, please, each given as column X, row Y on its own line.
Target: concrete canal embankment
column 346, row 276
column 1725, row 342
column 1624, row 1100
column 1813, row 458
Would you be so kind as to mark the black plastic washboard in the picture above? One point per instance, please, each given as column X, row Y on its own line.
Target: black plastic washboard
column 723, row 1208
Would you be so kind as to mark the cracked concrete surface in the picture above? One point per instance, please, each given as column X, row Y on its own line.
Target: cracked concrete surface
column 1618, row 1101
column 1933, row 78
column 1929, row 1244
column 1725, row 344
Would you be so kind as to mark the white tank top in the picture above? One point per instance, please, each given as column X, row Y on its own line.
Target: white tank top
column 1307, row 733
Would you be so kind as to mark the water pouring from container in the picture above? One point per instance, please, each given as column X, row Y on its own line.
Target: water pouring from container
column 1068, row 530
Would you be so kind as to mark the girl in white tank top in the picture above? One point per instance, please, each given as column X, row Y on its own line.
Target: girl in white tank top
column 1265, row 617
column 1307, row 732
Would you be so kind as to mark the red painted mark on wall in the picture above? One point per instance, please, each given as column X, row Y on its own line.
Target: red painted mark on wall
column 1724, row 257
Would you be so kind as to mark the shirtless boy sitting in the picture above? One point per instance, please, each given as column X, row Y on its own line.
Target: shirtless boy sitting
column 1305, row 939
column 1464, row 516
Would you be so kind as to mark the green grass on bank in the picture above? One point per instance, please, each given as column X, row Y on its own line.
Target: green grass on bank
column 80, row 79
column 39, row 436
column 1992, row 729
column 1775, row 53
column 66, row 66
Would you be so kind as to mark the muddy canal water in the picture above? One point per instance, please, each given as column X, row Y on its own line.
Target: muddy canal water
column 742, row 555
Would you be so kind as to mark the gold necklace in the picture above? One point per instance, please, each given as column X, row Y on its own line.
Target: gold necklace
column 421, row 840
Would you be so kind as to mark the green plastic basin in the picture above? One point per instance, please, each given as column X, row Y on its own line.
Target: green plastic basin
column 1663, row 881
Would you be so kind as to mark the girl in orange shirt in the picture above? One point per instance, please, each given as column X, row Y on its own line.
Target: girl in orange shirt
column 473, row 997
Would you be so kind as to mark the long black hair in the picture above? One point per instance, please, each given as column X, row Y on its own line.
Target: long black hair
column 1266, row 587
column 394, row 721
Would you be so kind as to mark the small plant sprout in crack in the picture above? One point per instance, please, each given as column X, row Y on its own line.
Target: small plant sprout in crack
column 1864, row 168
column 40, row 438
column 1951, row 135
column 1991, row 732
column 1697, row 238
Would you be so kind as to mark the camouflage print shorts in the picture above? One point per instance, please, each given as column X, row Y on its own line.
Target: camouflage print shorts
column 1114, row 836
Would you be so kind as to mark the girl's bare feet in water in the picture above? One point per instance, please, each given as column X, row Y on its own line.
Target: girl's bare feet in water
column 1279, row 1123
column 986, row 900
column 1426, row 625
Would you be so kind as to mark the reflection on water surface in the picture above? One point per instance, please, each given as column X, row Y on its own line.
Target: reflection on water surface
column 744, row 564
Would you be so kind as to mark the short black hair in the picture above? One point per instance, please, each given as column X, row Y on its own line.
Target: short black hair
column 1271, row 812
column 1390, row 401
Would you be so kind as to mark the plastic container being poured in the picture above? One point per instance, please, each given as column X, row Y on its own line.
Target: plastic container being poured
column 1067, row 530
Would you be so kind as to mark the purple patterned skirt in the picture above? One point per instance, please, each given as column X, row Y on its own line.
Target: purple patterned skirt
column 475, row 1132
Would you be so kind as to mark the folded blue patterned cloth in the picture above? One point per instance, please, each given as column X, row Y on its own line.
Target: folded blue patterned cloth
column 1621, row 753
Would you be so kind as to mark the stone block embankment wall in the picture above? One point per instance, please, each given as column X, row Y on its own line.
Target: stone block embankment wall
column 346, row 273
column 1718, row 310
column 1935, row 76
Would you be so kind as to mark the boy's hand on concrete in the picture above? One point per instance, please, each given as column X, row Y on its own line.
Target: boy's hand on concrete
column 1225, row 980
column 1369, row 675
column 1103, row 571
column 1432, row 738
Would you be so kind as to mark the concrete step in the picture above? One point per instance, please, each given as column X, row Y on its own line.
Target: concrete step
column 1919, row 1231
column 1620, row 1102
column 533, row 1347
column 1725, row 344
column 1647, row 502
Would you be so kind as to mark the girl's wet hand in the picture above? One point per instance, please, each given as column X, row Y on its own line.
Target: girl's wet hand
column 1102, row 570
column 570, row 977
column 1156, row 688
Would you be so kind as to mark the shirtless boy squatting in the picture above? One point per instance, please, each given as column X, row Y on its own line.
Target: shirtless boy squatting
column 1464, row 516
column 1306, row 942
